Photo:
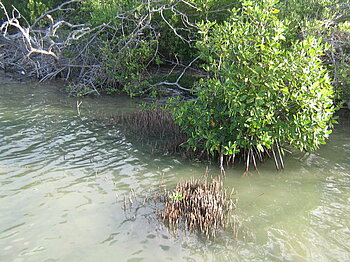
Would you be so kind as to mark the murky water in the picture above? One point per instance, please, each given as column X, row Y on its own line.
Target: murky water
column 63, row 178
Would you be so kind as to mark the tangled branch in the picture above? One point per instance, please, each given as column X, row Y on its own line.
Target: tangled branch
column 52, row 47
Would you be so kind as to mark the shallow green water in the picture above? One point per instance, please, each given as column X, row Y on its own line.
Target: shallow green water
column 63, row 178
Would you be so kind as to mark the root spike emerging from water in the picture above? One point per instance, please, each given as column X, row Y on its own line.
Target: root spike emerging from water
column 198, row 205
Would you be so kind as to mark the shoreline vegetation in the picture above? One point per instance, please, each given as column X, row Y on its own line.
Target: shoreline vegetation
column 240, row 79
column 196, row 205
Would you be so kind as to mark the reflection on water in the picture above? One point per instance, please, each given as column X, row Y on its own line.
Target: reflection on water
column 63, row 178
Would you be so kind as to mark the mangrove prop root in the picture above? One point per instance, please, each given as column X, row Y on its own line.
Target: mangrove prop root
column 157, row 127
column 198, row 205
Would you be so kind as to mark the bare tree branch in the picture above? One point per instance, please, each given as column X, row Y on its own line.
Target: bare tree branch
column 41, row 52
column 176, row 83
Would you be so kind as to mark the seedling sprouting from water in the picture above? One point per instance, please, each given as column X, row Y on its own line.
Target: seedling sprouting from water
column 177, row 196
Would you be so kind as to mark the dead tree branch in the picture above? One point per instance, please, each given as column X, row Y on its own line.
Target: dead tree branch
column 176, row 83
column 40, row 50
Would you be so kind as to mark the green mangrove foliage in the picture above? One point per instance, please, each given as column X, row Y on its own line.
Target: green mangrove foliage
column 263, row 93
column 329, row 19
column 31, row 9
